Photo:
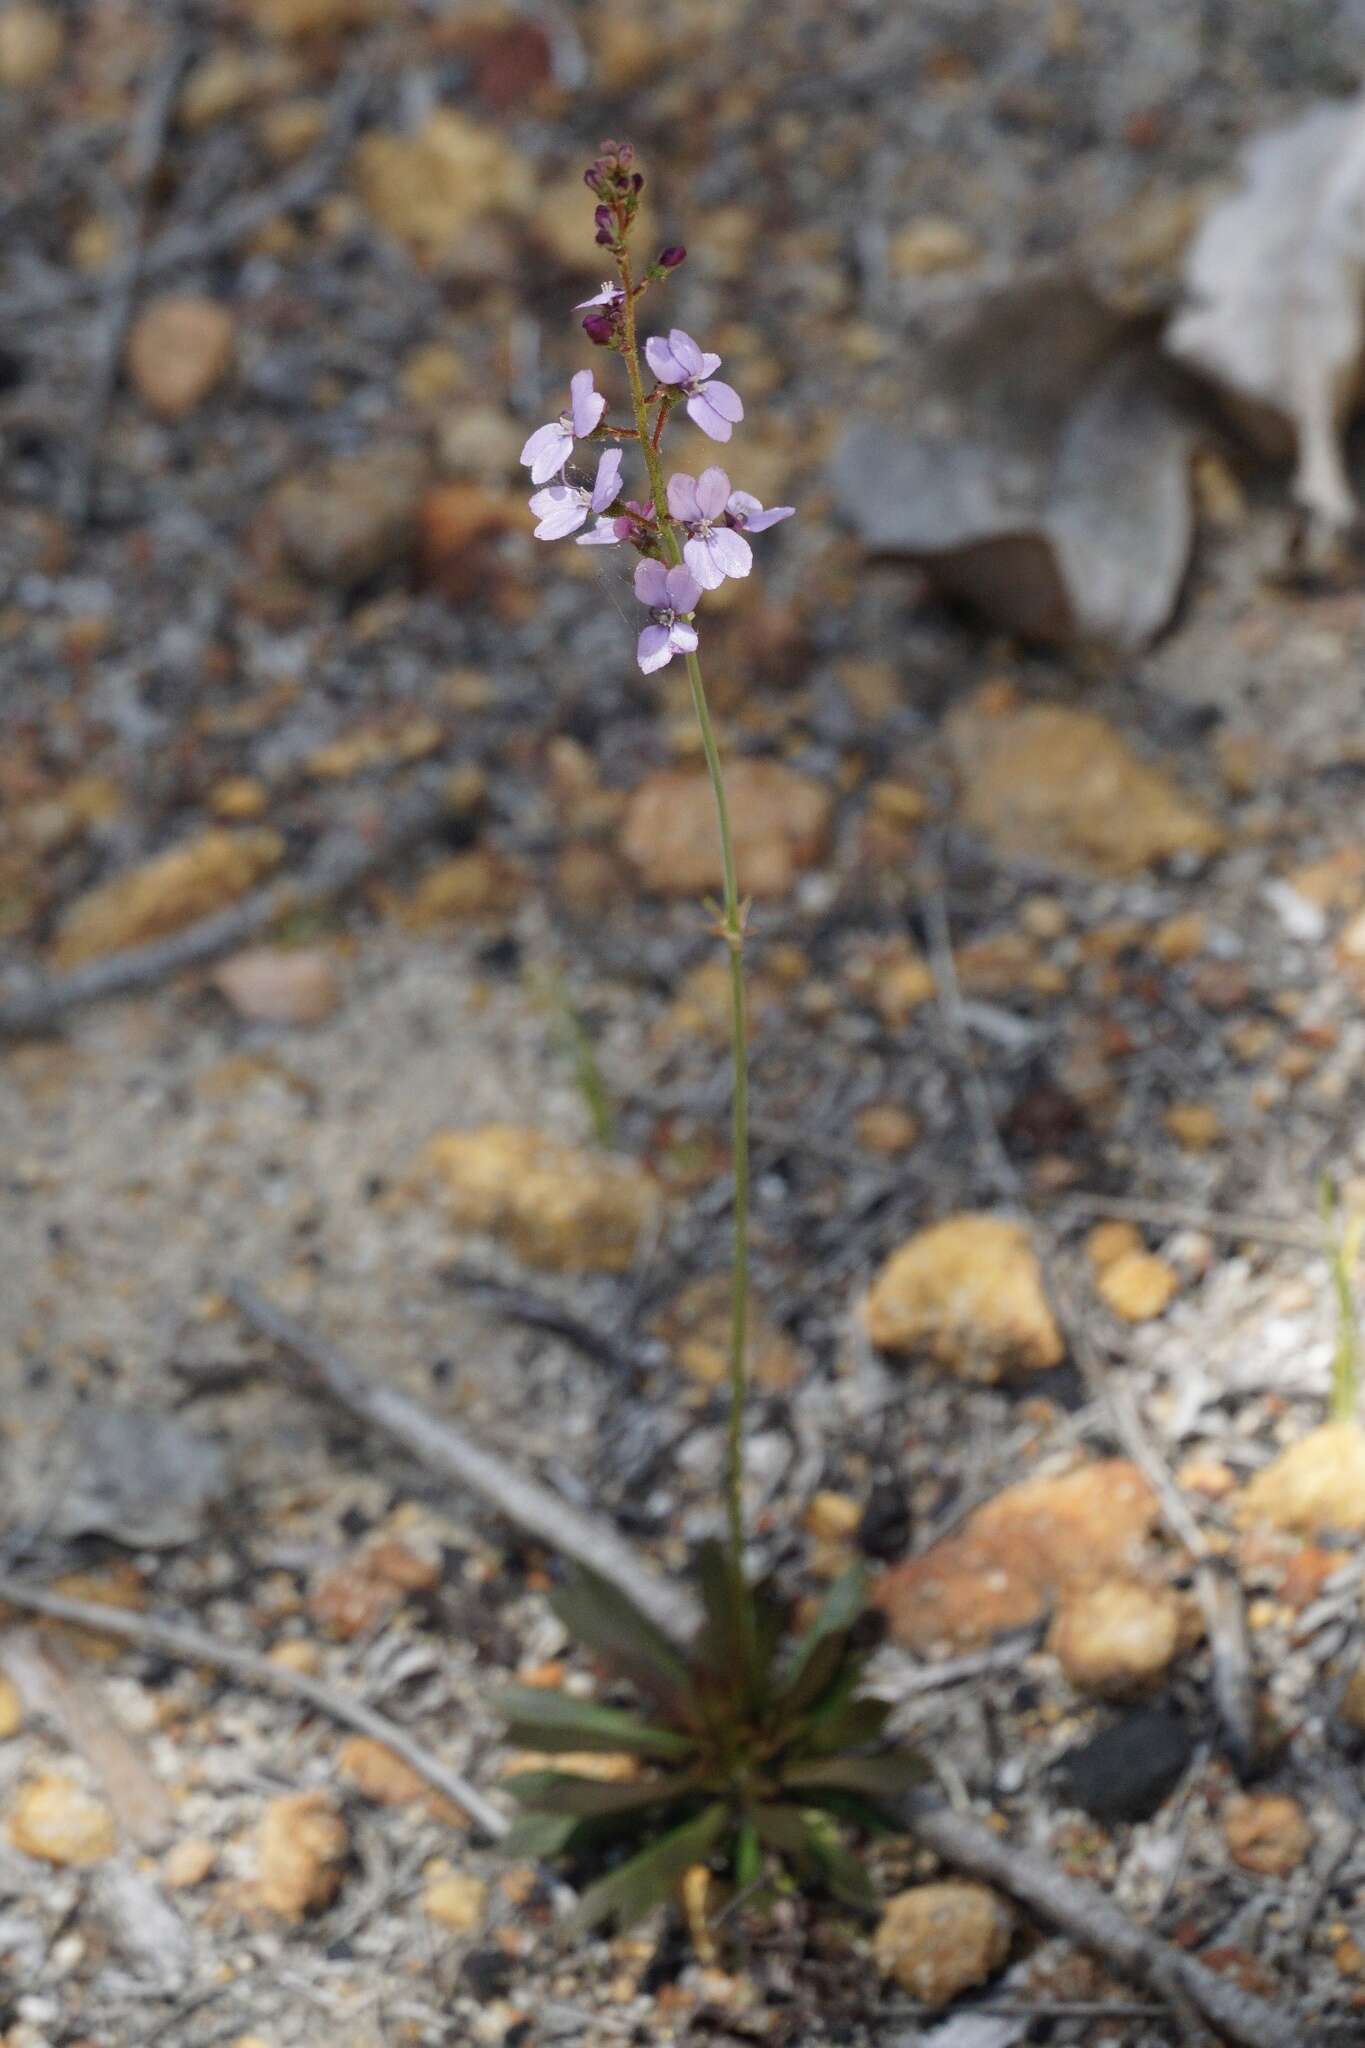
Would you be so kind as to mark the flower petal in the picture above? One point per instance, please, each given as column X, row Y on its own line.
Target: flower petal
column 682, row 637
column 562, row 519
column 659, row 356
column 682, row 498
column 547, row 450
column 725, row 399
column 608, row 480
column 653, row 649
column 702, row 414
column 608, row 296
column 713, row 491
column 709, row 365
column 683, row 589
column 603, row 535
column 731, row 551
column 699, row 559
column 651, row 583
column 587, row 405
column 685, row 352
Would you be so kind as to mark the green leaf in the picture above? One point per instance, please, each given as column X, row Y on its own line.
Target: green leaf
column 541, row 1719
column 885, row 1780
column 783, row 1827
column 598, row 1614
column 649, row 1877
column 841, row 1723
column 591, row 1798
column 839, row 1868
column 748, row 1856
column 817, row 1656
column 538, row 1835
column 726, row 1643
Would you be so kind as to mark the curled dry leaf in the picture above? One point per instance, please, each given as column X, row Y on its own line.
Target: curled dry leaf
column 1275, row 297
column 1047, row 483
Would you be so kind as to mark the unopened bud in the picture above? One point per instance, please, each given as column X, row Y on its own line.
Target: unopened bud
column 672, row 256
column 600, row 328
column 637, row 183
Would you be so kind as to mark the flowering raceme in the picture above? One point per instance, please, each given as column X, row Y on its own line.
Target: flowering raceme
column 692, row 532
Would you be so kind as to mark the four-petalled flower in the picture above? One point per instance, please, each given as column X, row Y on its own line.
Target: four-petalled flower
column 712, row 550
column 549, row 448
column 562, row 508
column 712, row 406
column 671, row 595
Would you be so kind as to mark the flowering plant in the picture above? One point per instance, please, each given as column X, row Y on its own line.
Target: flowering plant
column 757, row 1745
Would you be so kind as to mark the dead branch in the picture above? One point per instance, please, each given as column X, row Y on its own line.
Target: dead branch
column 343, row 861
column 189, row 1646
column 442, row 1448
column 1096, row 1924
column 1220, row 1594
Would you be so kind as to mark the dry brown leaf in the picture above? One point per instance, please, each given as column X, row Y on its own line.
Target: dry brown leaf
column 1275, row 284
column 1047, row 480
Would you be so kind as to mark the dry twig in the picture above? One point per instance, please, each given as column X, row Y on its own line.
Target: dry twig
column 442, row 1448
column 189, row 1646
column 343, row 861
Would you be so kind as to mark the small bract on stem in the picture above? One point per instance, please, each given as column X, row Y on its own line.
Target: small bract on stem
column 691, row 534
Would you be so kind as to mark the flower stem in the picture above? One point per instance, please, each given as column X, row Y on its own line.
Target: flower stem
column 731, row 930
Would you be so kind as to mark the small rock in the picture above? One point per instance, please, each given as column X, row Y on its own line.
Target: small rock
column 1013, row 1557
column 31, row 43
column 167, row 893
column 1352, row 1707
column 11, row 1710
column 938, row 1940
column 353, row 519
column 1045, row 783
column 886, row 1129
column 480, row 443
column 1117, row 1637
column 380, row 743
column 1129, row 1769
column 302, row 1848
column 54, row 1820
column 1195, row 1126
column 695, row 1324
column 458, row 525
column 279, row 985
column 221, row 84
column 474, row 884
column 429, row 188
column 903, row 983
column 180, row 348
column 143, row 1477
column 560, row 1206
column 292, row 20
column 1318, row 1484
column 1267, row 1833
column 924, row 247
column 833, row 1517
column 1108, row 1242
column 296, row 1653
column 240, row 799
column 781, row 822
column 453, row 1899
column 349, row 1600
column 187, row 1863
column 969, row 1293
column 377, row 1773
column 1138, row 1286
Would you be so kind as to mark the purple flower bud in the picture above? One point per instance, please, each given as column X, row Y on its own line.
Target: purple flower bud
column 625, row 153
column 637, row 183
column 605, row 237
column 600, row 329
column 672, row 256
column 604, row 217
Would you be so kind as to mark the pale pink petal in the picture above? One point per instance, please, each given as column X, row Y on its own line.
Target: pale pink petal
column 731, row 551
column 682, row 498
column 587, row 405
column 709, row 364
column 563, row 515
column 651, row 583
column 608, row 480
column 713, row 491
column 682, row 636
column 683, row 589
column 702, row 414
column 699, row 559
column 603, row 535
column 608, row 296
column 725, row 399
column 659, row 356
column 547, row 450
column 653, row 649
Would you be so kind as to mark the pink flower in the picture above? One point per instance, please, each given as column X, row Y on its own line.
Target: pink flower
column 610, row 295
column 562, row 508
column 550, row 447
column 744, row 511
column 711, row 406
column 713, row 550
column 670, row 594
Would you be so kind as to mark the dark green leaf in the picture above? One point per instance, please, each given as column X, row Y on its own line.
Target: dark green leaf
column 885, row 1780
column 820, row 1651
column 783, row 1828
column 590, row 1798
column 649, row 1877
column 748, row 1856
column 598, row 1614
column 538, row 1835
column 839, row 1868
column 726, row 1645
column 541, row 1719
column 840, row 1723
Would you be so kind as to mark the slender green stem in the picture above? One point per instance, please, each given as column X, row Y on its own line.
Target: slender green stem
column 732, row 932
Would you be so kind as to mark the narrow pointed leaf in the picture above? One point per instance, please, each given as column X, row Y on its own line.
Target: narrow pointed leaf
column 884, row 1780
column 845, row 1724
column 538, row 1835
column 591, row 1798
column 600, row 1615
column 542, row 1719
column 839, row 1868
column 838, row 1611
column 748, row 1856
column 648, row 1878
column 728, row 1634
